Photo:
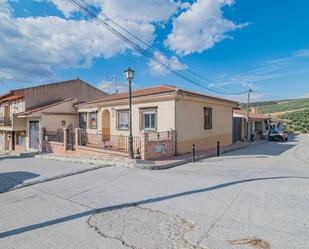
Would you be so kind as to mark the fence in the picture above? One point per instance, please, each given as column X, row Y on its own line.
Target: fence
column 54, row 136
column 120, row 143
column 5, row 121
column 159, row 136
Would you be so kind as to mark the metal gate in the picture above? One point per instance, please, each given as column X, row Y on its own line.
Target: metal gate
column 34, row 134
column 237, row 129
column 70, row 138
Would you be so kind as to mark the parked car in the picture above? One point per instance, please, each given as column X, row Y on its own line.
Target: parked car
column 277, row 134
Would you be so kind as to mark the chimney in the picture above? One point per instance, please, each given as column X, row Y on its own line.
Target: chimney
column 254, row 110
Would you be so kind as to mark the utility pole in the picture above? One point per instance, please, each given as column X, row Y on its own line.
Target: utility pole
column 248, row 111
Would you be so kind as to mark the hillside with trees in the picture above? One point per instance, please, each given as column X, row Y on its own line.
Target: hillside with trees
column 278, row 106
column 295, row 112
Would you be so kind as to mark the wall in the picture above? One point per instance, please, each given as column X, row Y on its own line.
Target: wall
column 54, row 122
column 44, row 94
column 53, row 147
column 52, row 117
column 190, row 124
column 157, row 149
column 165, row 118
column 18, row 124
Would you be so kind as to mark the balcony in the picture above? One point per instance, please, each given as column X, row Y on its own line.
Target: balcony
column 12, row 123
column 5, row 121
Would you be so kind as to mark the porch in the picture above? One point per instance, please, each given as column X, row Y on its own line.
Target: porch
column 146, row 146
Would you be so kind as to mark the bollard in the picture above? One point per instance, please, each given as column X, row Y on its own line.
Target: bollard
column 218, row 148
column 193, row 153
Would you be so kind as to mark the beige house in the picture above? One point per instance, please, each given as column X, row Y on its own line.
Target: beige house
column 24, row 113
column 163, row 113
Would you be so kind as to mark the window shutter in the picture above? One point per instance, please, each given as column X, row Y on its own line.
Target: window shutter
column 117, row 120
column 140, row 120
column 156, row 119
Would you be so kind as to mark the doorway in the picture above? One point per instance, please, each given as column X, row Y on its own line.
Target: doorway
column 106, row 125
column 34, row 135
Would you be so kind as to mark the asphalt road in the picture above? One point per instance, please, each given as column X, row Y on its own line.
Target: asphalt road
column 252, row 198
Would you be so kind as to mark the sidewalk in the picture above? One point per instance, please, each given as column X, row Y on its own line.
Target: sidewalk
column 159, row 164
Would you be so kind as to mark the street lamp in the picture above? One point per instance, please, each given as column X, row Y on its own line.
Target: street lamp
column 129, row 74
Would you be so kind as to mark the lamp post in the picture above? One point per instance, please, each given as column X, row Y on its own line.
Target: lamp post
column 129, row 74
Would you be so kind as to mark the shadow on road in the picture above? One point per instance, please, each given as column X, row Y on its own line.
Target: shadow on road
column 9, row 180
column 8, row 156
column 131, row 204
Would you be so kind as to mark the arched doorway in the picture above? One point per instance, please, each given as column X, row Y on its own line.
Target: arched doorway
column 106, row 125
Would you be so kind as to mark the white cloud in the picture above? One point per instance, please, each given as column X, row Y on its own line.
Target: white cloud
column 111, row 87
column 158, row 69
column 200, row 27
column 34, row 47
column 306, row 95
column 147, row 11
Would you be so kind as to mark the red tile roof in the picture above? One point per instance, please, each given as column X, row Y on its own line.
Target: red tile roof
column 155, row 90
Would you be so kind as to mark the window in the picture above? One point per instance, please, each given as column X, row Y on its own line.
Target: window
column 93, row 120
column 149, row 120
column 63, row 123
column 207, row 118
column 82, row 120
column 123, row 120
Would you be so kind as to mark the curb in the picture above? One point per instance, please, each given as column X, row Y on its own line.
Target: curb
column 135, row 164
column 27, row 184
column 189, row 160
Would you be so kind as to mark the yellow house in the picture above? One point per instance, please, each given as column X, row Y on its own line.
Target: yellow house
column 162, row 113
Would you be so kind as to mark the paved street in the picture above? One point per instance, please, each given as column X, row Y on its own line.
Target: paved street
column 256, row 197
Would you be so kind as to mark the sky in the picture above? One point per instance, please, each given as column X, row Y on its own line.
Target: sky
column 225, row 46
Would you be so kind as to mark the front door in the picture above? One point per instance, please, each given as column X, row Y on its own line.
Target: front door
column 34, row 134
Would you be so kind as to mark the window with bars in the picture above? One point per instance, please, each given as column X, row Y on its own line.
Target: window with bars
column 207, row 118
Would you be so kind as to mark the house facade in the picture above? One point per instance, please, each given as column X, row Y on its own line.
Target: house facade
column 162, row 113
column 24, row 113
column 259, row 125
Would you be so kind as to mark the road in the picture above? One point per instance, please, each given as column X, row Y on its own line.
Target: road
column 256, row 197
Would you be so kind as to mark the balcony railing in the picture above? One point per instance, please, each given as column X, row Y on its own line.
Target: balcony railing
column 5, row 121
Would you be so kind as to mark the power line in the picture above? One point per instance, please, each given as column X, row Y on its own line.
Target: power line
column 84, row 7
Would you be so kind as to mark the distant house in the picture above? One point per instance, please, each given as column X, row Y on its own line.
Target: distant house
column 162, row 113
column 25, row 112
column 259, row 125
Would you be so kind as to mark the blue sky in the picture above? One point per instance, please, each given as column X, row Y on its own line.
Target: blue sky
column 233, row 44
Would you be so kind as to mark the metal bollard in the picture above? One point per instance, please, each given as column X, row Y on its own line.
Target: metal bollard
column 193, row 153
column 218, row 148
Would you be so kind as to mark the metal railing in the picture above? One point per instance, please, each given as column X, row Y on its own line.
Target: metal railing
column 5, row 121
column 120, row 143
column 54, row 136
column 160, row 136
